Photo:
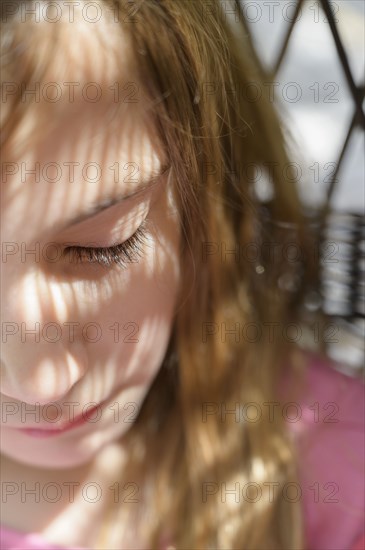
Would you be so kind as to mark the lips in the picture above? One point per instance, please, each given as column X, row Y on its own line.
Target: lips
column 50, row 432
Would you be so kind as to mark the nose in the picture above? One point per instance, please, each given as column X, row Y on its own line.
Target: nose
column 49, row 378
column 41, row 360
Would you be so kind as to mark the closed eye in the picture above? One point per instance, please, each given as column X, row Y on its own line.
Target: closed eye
column 122, row 254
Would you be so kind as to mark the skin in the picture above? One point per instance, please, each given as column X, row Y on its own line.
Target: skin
column 44, row 376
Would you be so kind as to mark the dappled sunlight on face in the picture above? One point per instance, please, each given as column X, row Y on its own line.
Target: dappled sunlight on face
column 80, row 330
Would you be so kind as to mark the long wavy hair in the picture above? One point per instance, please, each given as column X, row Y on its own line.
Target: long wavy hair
column 193, row 66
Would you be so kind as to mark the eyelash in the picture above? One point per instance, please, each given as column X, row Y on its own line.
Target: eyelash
column 123, row 254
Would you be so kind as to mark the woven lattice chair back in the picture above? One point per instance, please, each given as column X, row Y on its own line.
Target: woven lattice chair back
column 338, row 291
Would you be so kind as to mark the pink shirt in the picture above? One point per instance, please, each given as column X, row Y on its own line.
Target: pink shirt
column 328, row 425
column 331, row 441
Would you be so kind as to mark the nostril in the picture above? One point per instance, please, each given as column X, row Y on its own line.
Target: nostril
column 36, row 398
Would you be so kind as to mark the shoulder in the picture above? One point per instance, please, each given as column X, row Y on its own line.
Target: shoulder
column 331, row 444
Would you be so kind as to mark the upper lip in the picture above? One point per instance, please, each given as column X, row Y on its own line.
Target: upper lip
column 60, row 425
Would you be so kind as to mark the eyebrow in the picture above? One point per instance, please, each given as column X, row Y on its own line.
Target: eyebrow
column 114, row 199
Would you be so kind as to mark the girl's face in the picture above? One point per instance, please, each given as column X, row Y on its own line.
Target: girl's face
column 77, row 334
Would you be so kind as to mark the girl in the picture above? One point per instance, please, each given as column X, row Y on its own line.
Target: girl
column 155, row 388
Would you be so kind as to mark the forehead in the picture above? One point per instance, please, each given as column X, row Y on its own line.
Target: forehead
column 73, row 66
column 85, row 125
column 86, row 51
column 78, row 67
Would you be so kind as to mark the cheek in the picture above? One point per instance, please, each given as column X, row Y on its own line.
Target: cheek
column 134, row 334
column 136, row 321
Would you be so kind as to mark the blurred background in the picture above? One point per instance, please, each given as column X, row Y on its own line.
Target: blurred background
column 314, row 55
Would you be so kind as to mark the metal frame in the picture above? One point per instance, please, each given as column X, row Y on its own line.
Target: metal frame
column 326, row 220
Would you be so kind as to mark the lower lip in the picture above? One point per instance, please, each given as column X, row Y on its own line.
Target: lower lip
column 43, row 434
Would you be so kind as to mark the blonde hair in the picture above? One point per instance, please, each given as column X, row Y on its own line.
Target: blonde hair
column 188, row 62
